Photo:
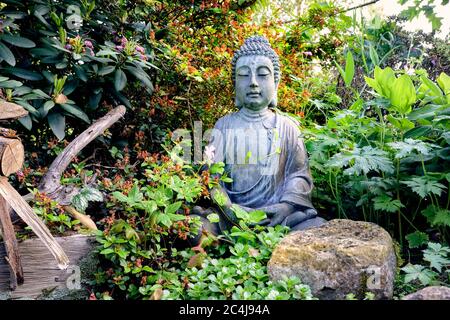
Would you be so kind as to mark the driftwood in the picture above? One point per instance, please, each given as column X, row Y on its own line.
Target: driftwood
column 50, row 185
column 41, row 274
column 11, row 155
column 51, row 182
column 21, row 207
column 11, row 246
column 10, row 110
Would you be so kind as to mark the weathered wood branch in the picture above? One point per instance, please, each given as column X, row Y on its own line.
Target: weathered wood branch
column 11, row 246
column 84, row 219
column 21, row 207
column 10, row 110
column 51, row 182
column 12, row 155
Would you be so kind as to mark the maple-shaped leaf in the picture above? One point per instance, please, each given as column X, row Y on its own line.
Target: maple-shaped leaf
column 442, row 218
column 418, row 272
column 362, row 161
column 412, row 147
column 417, row 239
column 425, row 185
column 386, row 203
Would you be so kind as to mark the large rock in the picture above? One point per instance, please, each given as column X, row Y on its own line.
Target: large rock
column 338, row 258
column 430, row 293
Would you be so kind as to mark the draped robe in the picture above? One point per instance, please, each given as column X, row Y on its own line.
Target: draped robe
column 266, row 158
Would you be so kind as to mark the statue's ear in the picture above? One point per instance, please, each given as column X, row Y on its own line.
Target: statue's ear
column 274, row 102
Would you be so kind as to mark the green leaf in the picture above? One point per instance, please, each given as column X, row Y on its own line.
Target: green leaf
column 418, row 272
column 385, row 79
column 120, row 80
column 220, row 198
column 213, row 218
column 48, row 105
column 172, row 208
column 349, row 69
column 403, row 94
column 386, row 203
column 407, row 147
column 25, row 74
column 362, row 161
column 106, row 70
column 75, row 111
column 424, row 186
column 374, row 85
column 18, row 41
column 26, row 122
column 444, row 82
column 57, row 123
column 10, row 84
column 80, row 202
column 442, row 218
column 257, row 216
column 434, row 90
column 7, row 55
column 417, row 239
column 374, row 55
column 142, row 76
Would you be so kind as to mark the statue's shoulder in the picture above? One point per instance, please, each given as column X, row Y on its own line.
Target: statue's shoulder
column 288, row 121
column 226, row 121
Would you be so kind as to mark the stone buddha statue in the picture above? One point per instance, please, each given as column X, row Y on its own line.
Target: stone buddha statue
column 262, row 149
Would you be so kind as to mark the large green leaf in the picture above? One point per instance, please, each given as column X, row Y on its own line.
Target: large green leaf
column 349, row 69
column 46, row 108
column 403, row 94
column 75, row 111
column 7, row 55
column 57, row 123
column 24, row 74
column 142, row 76
column 444, row 82
column 385, row 78
column 120, row 79
column 18, row 41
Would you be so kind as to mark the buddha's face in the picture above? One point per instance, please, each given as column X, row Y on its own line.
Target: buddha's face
column 255, row 82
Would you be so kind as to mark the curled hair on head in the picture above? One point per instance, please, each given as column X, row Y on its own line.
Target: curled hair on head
column 257, row 45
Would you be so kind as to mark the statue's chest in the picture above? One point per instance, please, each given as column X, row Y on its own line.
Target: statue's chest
column 248, row 152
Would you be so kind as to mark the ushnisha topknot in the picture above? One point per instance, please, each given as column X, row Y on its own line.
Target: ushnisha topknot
column 257, row 45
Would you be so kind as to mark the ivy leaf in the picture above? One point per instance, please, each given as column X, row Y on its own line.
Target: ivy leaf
column 386, row 203
column 424, row 186
column 417, row 239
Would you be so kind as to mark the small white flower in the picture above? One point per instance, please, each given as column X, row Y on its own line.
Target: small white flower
column 209, row 153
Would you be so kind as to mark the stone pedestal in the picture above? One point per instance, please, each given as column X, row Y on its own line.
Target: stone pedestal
column 338, row 258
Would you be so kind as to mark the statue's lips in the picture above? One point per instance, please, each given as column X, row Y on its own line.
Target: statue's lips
column 254, row 94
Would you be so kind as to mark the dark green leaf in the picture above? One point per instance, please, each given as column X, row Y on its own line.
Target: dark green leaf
column 24, row 74
column 57, row 123
column 120, row 79
column 75, row 111
column 7, row 55
column 18, row 41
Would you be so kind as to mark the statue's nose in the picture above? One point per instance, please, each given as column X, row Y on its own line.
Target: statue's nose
column 253, row 82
